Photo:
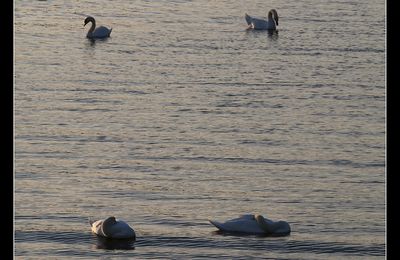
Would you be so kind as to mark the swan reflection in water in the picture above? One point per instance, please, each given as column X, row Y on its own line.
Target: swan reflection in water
column 92, row 42
column 114, row 244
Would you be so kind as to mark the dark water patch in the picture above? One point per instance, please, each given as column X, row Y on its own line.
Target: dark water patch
column 241, row 160
column 324, row 51
column 50, row 154
column 28, row 175
column 83, row 110
column 66, row 138
column 59, row 217
column 71, row 243
column 262, row 142
column 244, row 243
column 93, row 101
column 355, row 50
column 176, row 221
column 257, row 243
column 237, row 84
column 64, row 237
column 319, row 247
column 251, row 104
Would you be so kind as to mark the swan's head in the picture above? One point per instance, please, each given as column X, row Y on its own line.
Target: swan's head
column 274, row 14
column 263, row 223
column 88, row 19
column 110, row 220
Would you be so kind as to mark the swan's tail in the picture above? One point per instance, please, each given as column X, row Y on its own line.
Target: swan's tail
column 216, row 224
column 248, row 18
column 91, row 221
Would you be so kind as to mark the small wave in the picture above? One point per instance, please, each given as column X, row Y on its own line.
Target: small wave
column 246, row 243
column 242, row 243
column 65, row 237
column 346, row 163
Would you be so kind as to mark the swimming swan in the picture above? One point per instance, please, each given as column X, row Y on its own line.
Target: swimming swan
column 99, row 32
column 260, row 24
column 112, row 228
column 253, row 224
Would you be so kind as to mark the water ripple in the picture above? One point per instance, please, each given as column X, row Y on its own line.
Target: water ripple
column 243, row 243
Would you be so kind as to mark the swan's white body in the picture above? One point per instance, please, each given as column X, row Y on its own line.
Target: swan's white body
column 99, row 32
column 261, row 24
column 112, row 228
column 253, row 224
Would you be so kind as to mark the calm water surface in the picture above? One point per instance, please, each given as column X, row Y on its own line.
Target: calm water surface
column 183, row 115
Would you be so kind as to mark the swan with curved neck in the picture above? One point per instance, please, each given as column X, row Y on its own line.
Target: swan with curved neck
column 261, row 24
column 99, row 32
column 112, row 228
column 253, row 224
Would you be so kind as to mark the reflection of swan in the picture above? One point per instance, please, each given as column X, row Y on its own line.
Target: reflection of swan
column 99, row 32
column 260, row 24
column 112, row 228
column 253, row 224
column 113, row 244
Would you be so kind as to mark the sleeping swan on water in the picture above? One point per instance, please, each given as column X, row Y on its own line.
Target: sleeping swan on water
column 260, row 24
column 112, row 228
column 99, row 32
column 253, row 224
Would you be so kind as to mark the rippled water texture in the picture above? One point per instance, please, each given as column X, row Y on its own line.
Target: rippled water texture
column 184, row 116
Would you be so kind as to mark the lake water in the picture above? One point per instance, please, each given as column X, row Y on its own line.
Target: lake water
column 183, row 116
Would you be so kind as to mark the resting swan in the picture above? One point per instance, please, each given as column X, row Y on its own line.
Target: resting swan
column 253, row 224
column 260, row 24
column 99, row 32
column 112, row 228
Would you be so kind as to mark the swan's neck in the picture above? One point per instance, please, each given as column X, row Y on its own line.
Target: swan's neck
column 91, row 27
column 273, row 16
column 266, row 225
column 106, row 226
column 269, row 16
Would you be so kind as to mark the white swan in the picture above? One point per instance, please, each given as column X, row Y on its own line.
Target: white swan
column 112, row 228
column 260, row 24
column 253, row 224
column 99, row 32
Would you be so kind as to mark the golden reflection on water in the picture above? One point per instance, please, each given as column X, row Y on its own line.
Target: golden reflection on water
column 182, row 115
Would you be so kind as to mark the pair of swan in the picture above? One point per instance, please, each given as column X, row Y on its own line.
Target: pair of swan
column 250, row 224
column 254, row 23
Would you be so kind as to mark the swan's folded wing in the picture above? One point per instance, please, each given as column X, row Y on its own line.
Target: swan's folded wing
column 124, row 234
column 246, row 216
column 259, row 23
column 101, row 31
column 121, row 229
column 239, row 226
